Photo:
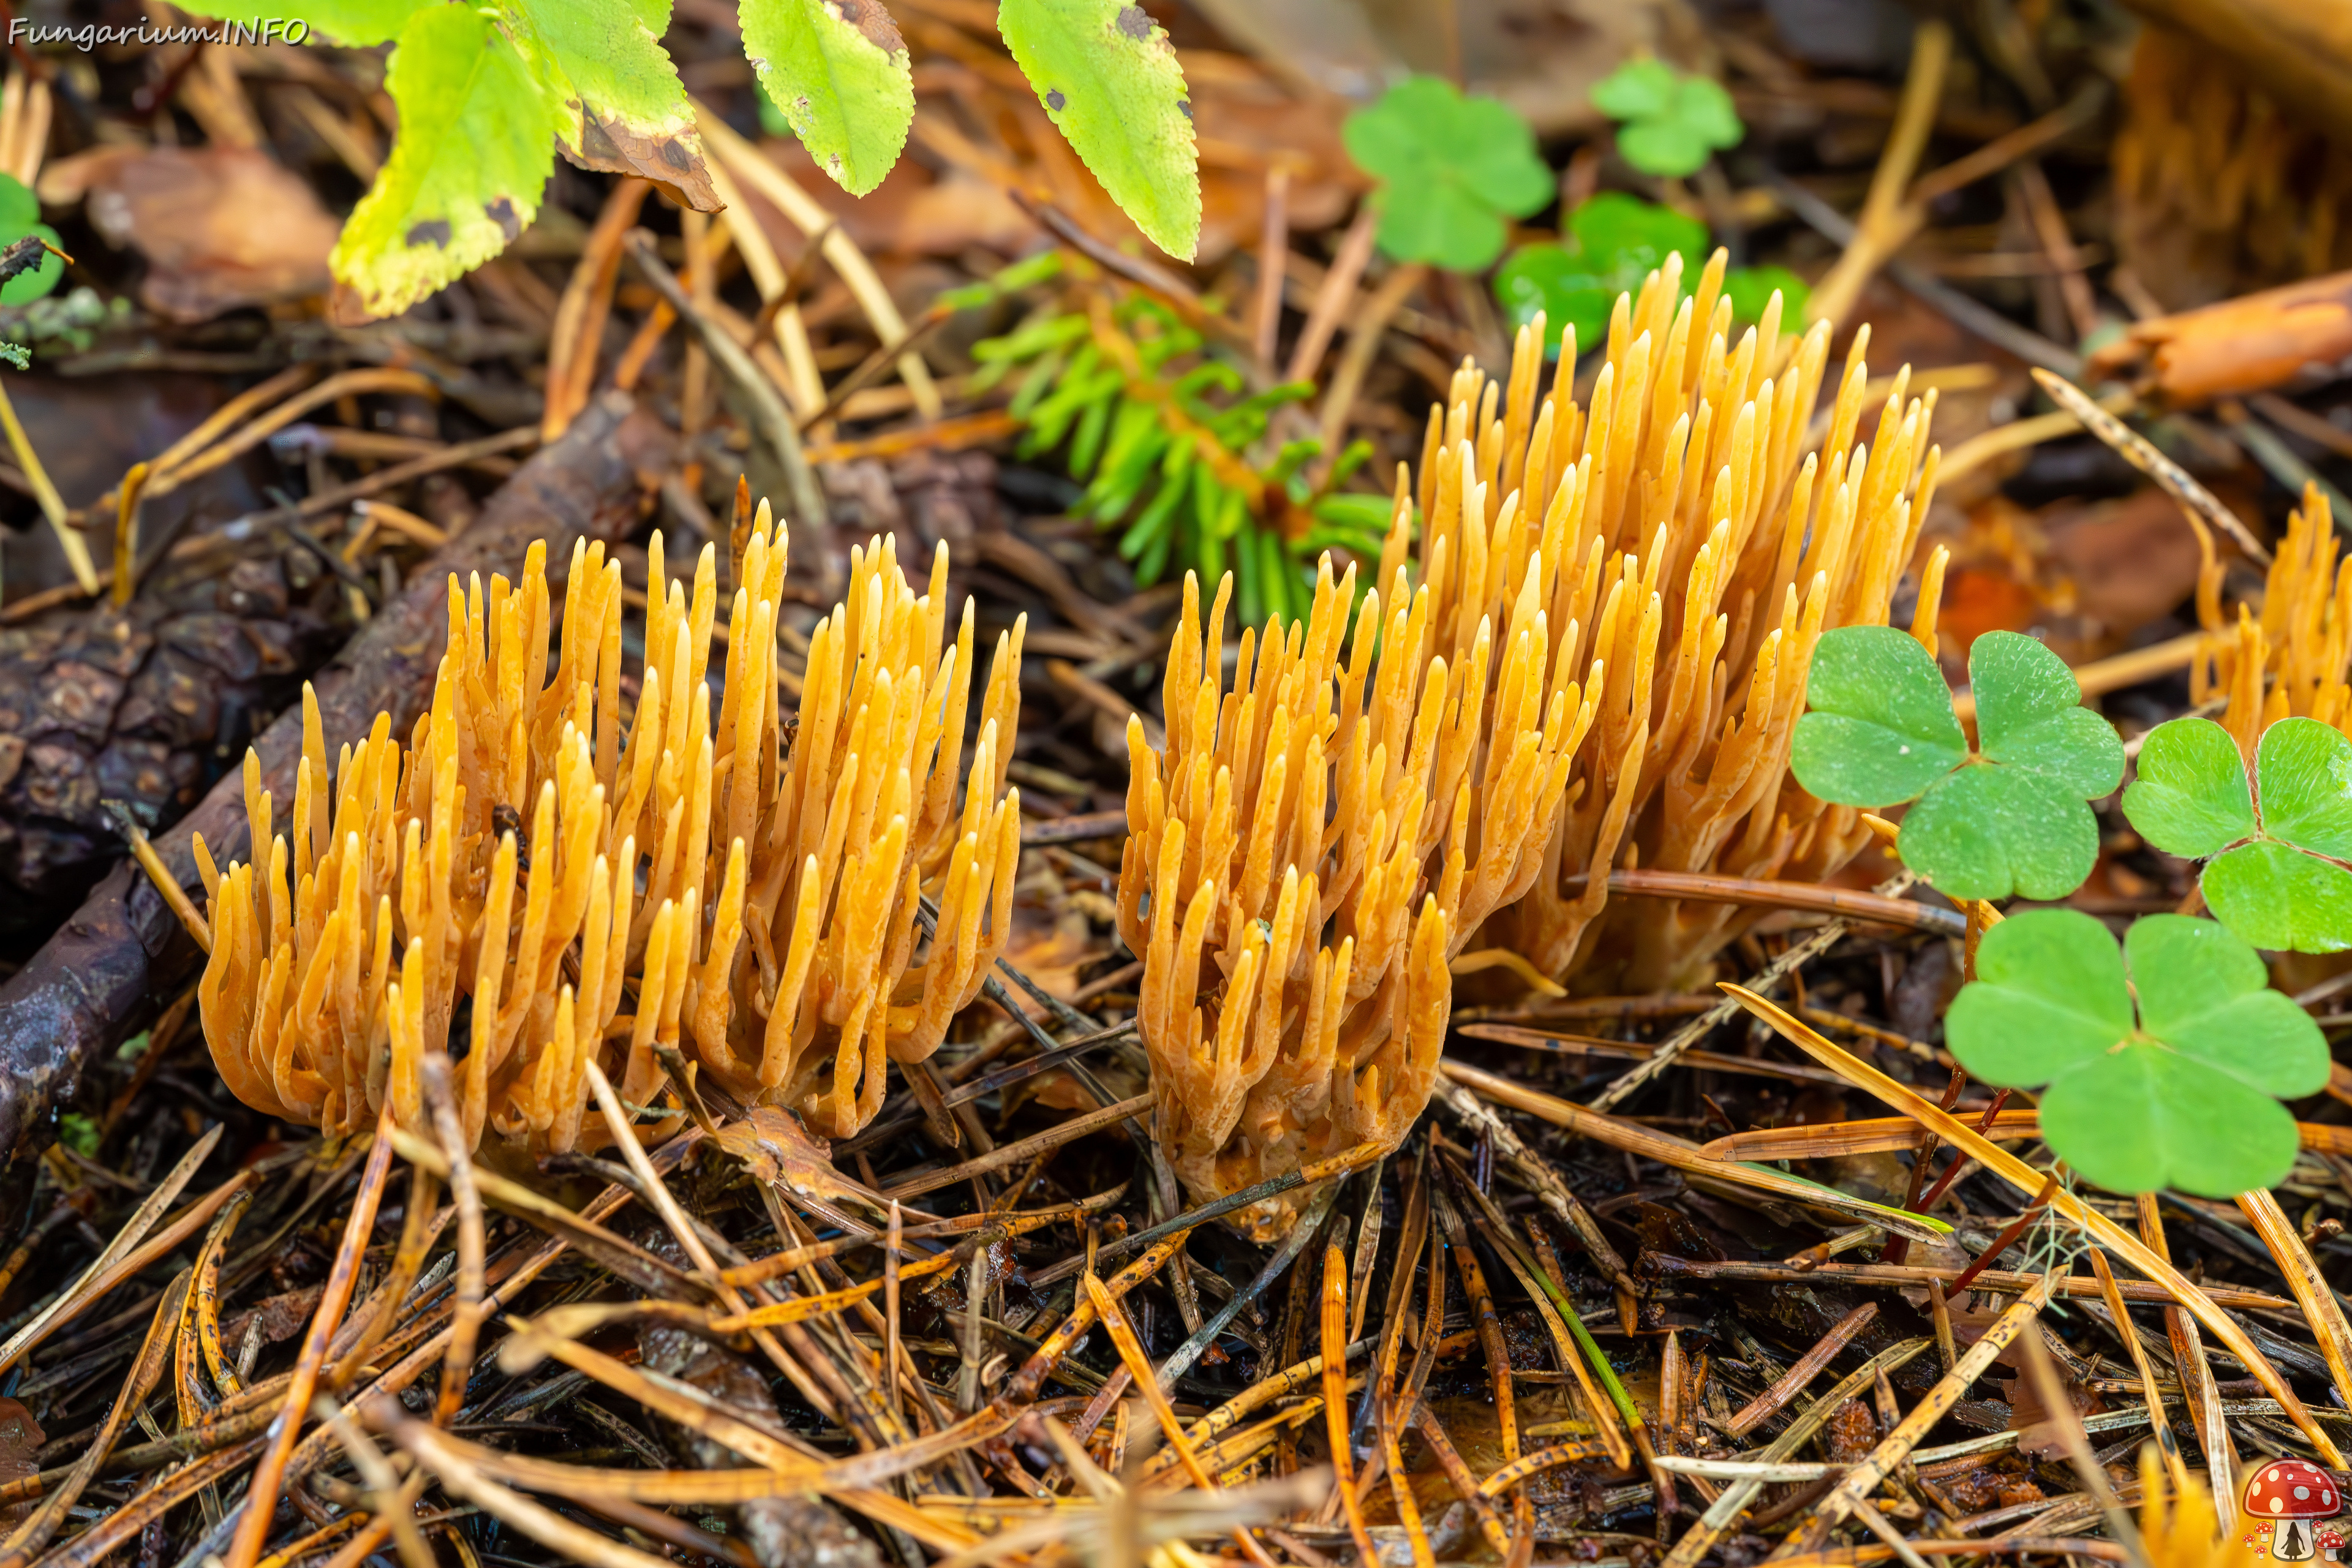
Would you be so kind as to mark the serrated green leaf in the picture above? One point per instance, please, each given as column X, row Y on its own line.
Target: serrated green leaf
column 1882, row 727
column 1110, row 81
column 1452, row 169
column 620, row 106
column 466, row 174
column 2029, row 715
column 838, row 71
column 1989, row 832
column 2191, row 798
column 358, row 23
column 2303, row 771
column 2182, row 1095
column 2277, row 896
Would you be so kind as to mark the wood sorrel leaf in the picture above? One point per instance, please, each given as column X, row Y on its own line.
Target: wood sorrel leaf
column 1451, row 169
column 838, row 71
column 2190, row 797
column 1988, row 831
column 2182, row 1097
column 2275, row 896
column 2304, row 770
column 2030, row 716
column 1881, row 728
column 2013, row 818
column 1109, row 80
column 476, row 145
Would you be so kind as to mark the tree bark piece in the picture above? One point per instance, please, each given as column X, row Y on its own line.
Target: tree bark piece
column 123, row 951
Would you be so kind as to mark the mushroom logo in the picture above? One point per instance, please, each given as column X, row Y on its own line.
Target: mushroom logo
column 2291, row 1497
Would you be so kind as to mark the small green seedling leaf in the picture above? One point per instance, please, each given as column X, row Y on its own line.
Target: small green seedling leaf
column 78, row 1133
column 2012, row 817
column 1671, row 124
column 2272, row 874
column 2186, row 1093
column 1451, row 168
column 621, row 108
column 1109, row 79
column 476, row 147
column 1614, row 241
column 837, row 69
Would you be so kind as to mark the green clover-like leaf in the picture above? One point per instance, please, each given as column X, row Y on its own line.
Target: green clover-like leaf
column 2304, row 770
column 1638, row 90
column 2190, row 797
column 1750, row 288
column 2185, row 1094
column 2030, row 716
column 1452, row 169
column 2265, row 876
column 1613, row 242
column 2011, row 817
column 1671, row 124
column 1882, row 727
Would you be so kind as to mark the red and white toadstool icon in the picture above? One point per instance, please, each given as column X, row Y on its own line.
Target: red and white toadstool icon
column 2292, row 1496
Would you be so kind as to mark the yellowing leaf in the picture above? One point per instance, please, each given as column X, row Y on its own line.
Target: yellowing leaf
column 622, row 108
column 1111, row 80
column 476, row 147
column 837, row 71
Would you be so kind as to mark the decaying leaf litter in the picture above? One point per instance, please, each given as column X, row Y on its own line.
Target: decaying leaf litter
column 1573, row 1254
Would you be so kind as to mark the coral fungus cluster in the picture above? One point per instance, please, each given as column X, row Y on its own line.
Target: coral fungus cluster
column 536, row 884
column 2289, row 660
column 1316, row 850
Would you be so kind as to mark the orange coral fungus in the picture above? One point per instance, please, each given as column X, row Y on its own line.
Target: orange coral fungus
column 1697, row 552
column 748, row 885
column 2289, row 660
column 1315, row 852
column 1312, row 797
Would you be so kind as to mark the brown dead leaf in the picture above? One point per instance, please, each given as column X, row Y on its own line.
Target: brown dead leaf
column 282, row 1317
column 20, row 1436
column 2130, row 561
column 776, row 1149
column 221, row 227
